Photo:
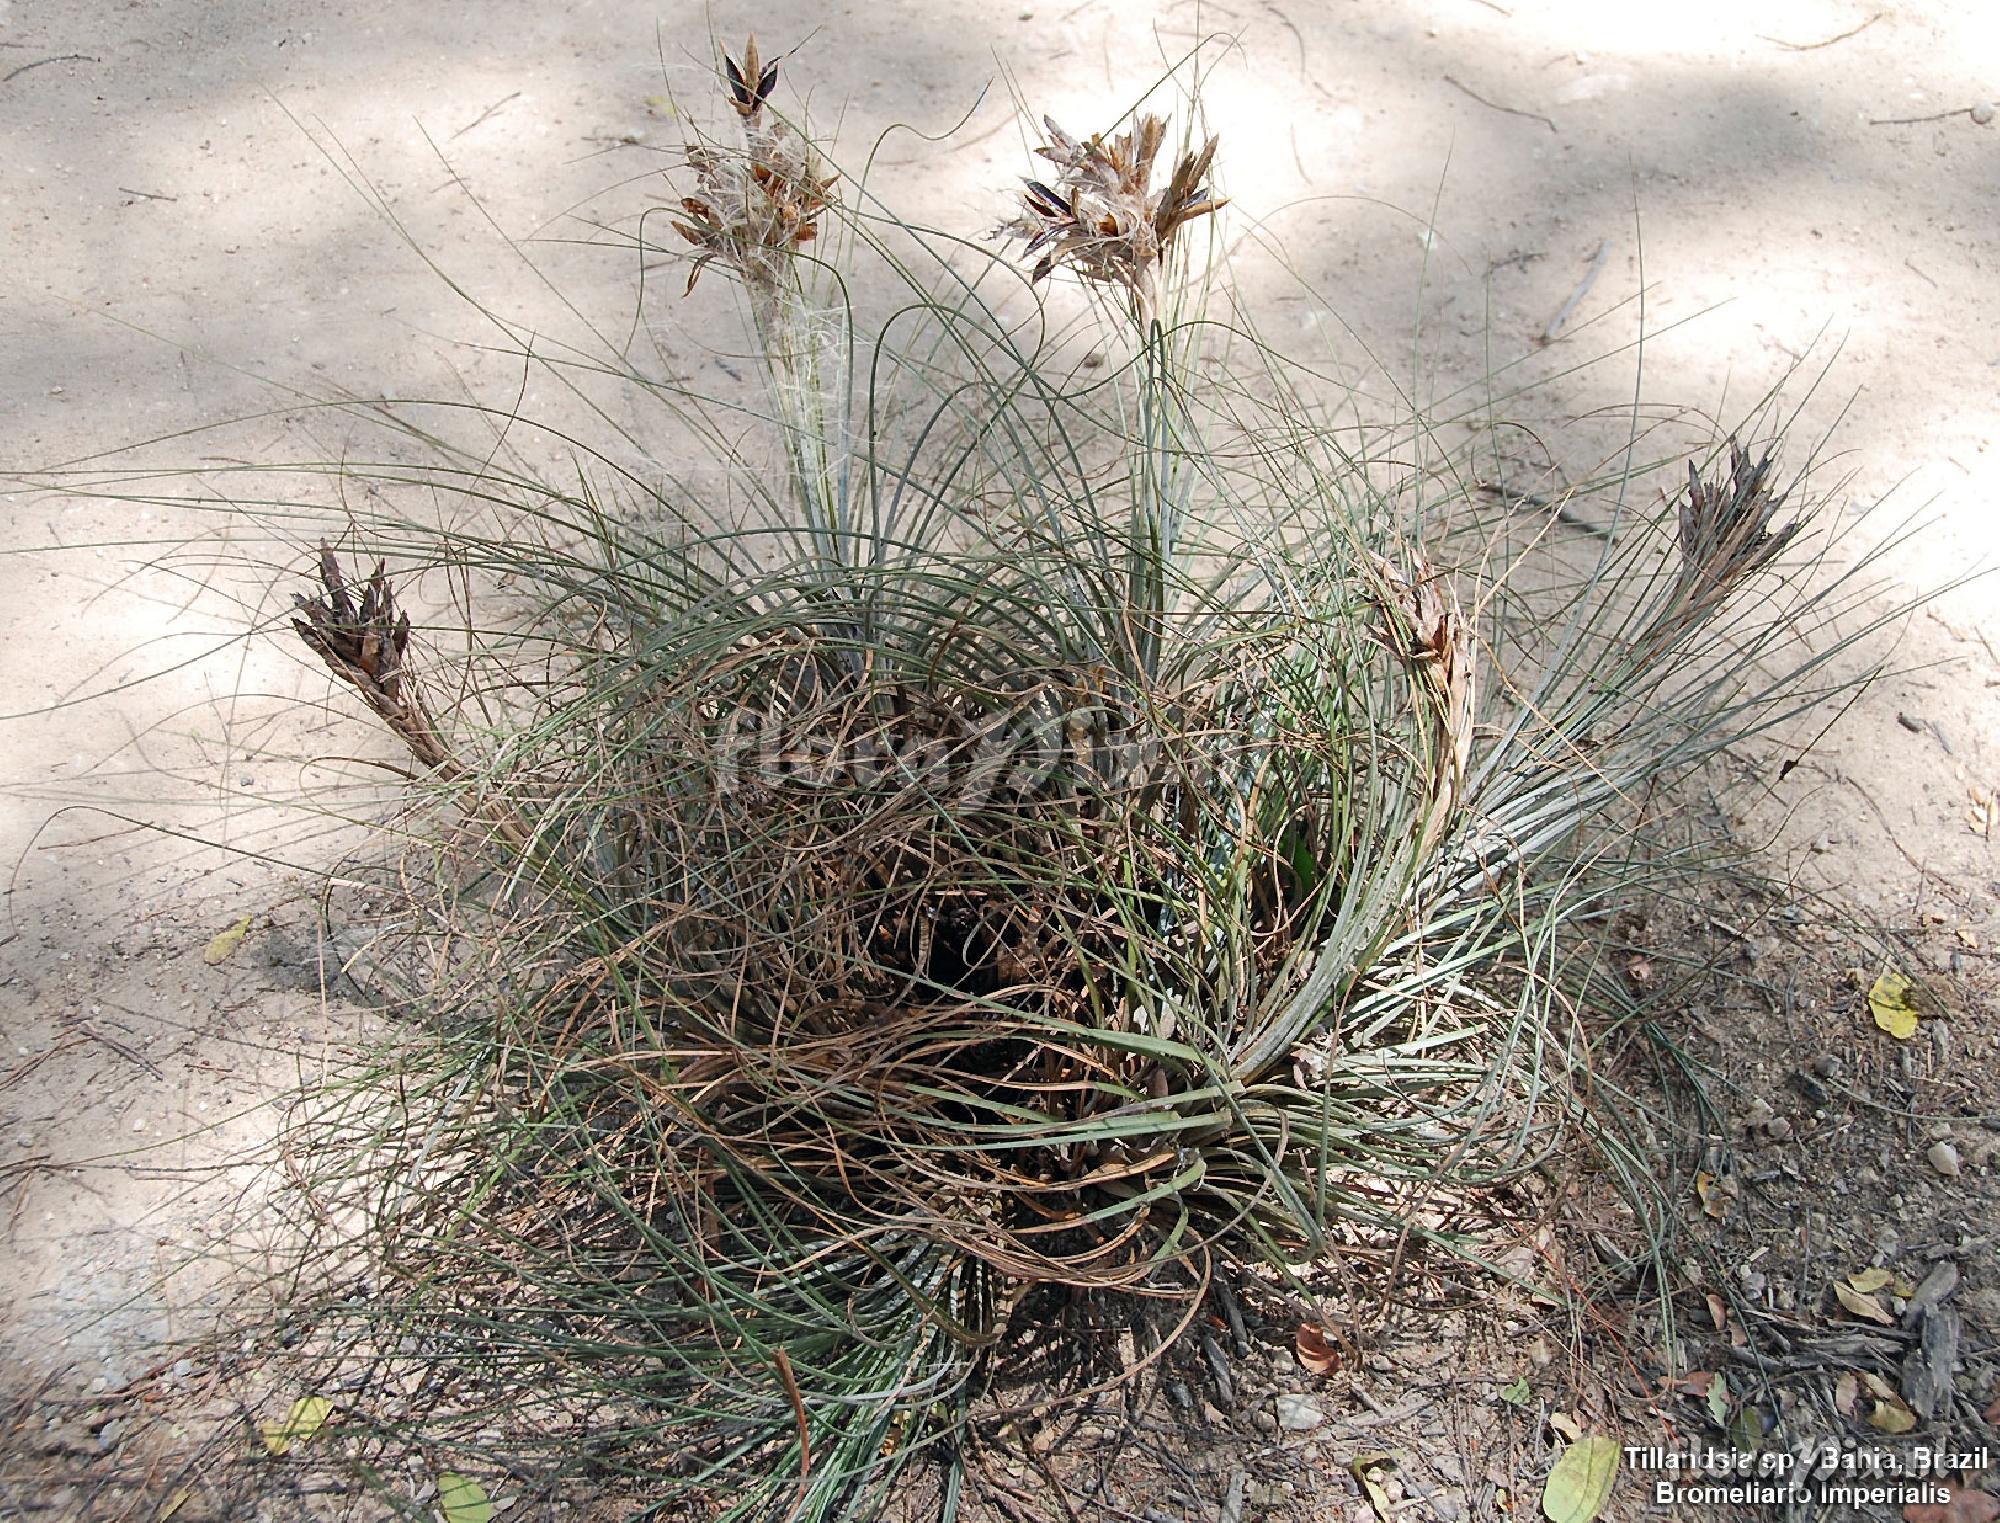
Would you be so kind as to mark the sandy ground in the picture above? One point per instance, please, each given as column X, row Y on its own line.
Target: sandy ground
column 1790, row 183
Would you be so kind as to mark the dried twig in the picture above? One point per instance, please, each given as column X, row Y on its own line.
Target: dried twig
column 137, row 1059
column 1494, row 105
column 1558, row 506
column 1807, row 47
column 14, row 74
column 1548, row 334
column 484, row 115
column 1913, row 121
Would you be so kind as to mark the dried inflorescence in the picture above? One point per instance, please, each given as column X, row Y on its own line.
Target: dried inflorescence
column 751, row 85
column 364, row 644
column 1725, row 524
column 1103, row 218
column 759, row 202
column 1726, row 535
column 1422, row 623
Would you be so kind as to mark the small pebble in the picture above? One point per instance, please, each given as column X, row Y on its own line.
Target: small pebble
column 1944, row 1158
column 1759, row 1114
column 1983, row 113
column 1778, row 1129
column 1299, row 1414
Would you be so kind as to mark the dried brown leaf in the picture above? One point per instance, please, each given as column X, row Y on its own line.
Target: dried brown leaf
column 1316, row 1352
column 1862, row 1305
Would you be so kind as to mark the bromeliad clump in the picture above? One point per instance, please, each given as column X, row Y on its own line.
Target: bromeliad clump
column 1076, row 838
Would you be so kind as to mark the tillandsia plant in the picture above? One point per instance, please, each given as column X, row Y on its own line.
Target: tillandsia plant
column 1075, row 836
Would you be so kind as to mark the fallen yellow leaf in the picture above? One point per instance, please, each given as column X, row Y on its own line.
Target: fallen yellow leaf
column 1889, row 999
column 1868, row 1281
column 227, row 942
column 1892, row 1416
column 307, row 1417
column 1581, row 1480
column 1364, row 1468
column 462, row 1499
